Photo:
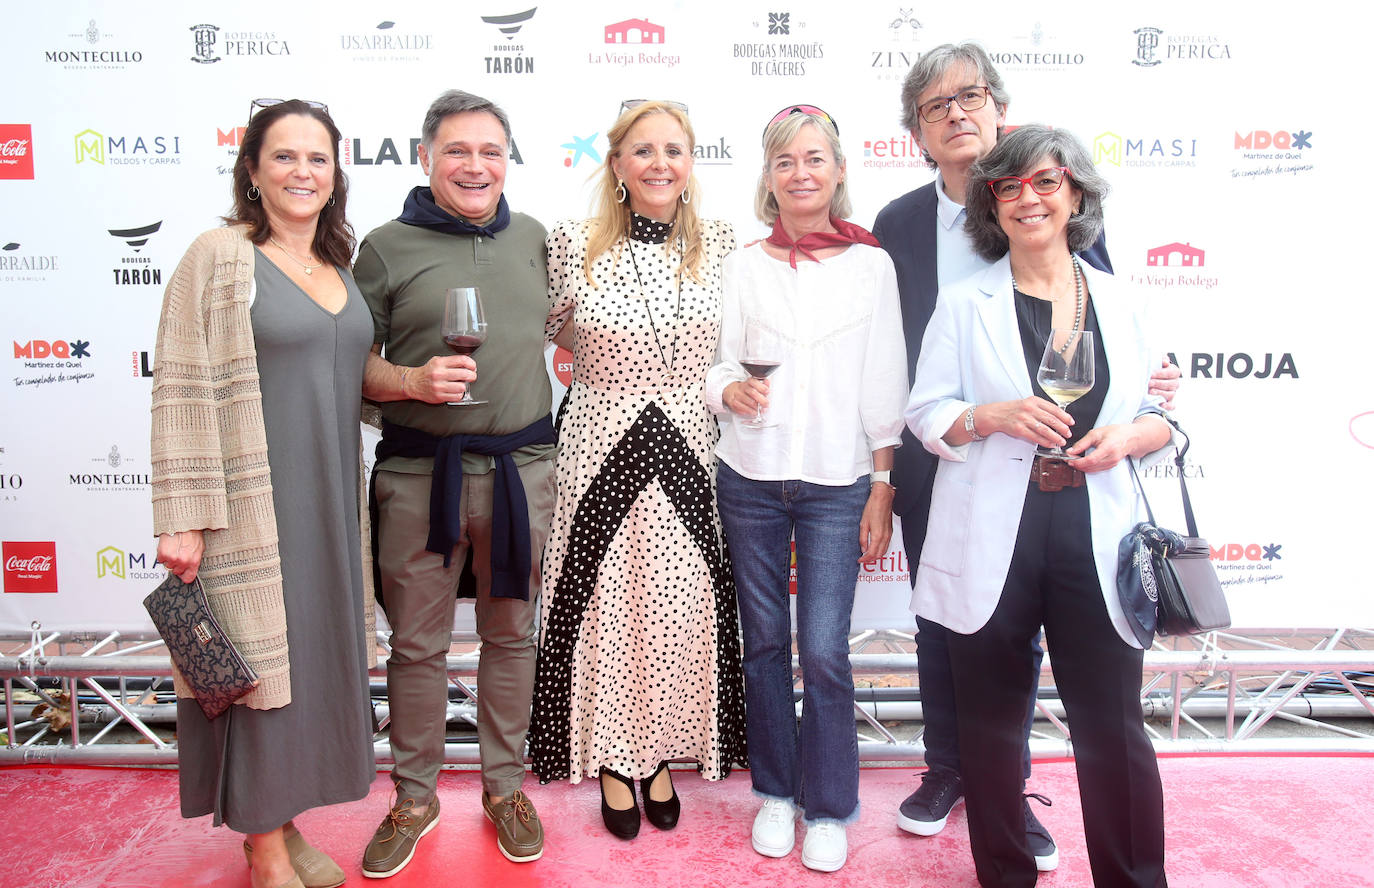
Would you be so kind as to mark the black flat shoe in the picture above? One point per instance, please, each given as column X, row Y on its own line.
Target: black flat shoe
column 623, row 824
column 661, row 814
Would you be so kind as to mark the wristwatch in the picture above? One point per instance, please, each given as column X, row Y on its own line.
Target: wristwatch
column 884, row 475
column 968, row 426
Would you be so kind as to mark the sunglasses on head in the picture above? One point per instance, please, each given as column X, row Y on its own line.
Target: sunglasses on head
column 259, row 104
column 801, row 109
column 631, row 104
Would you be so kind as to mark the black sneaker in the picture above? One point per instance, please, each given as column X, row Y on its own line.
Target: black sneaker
column 1038, row 839
column 925, row 811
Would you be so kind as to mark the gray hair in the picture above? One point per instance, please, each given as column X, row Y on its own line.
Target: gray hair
column 777, row 137
column 455, row 101
column 1015, row 154
column 931, row 66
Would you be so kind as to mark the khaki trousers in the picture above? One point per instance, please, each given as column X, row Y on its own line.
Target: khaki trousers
column 419, row 593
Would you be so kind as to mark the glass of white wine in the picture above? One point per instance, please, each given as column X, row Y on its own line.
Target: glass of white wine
column 1066, row 374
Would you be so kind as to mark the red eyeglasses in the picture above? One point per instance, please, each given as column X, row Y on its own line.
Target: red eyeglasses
column 1046, row 181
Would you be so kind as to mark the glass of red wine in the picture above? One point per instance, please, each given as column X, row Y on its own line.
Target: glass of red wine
column 761, row 355
column 465, row 329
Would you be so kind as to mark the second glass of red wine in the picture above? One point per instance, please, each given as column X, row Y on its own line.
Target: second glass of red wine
column 465, row 329
column 760, row 356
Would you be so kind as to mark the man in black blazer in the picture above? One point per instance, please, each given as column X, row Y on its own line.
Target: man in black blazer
column 954, row 104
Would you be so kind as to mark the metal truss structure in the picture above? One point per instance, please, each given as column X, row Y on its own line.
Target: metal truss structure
column 1226, row 692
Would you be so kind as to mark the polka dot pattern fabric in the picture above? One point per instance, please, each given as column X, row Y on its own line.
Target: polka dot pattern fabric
column 639, row 655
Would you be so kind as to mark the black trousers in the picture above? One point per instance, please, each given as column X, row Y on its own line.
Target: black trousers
column 1053, row 582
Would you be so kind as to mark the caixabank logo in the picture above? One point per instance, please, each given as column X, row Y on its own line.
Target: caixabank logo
column 508, row 53
column 16, row 151
column 1248, row 563
column 1264, row 153
column 30, row 566
column 43, row 362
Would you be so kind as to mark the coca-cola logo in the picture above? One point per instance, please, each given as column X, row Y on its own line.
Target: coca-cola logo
column 30, row 566
column 36, row 563
column 16, row 158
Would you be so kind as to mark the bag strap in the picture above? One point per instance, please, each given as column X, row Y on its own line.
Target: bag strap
column 1182, row 484
column 1140, row 488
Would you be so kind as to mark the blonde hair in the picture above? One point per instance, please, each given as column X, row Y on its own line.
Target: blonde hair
column 611, row 223
column 777, row 137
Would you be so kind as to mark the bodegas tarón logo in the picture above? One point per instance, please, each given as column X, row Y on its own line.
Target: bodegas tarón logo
column 136, row 269
column 509, row 57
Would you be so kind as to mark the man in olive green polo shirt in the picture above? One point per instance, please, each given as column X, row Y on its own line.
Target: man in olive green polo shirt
column 459, row 483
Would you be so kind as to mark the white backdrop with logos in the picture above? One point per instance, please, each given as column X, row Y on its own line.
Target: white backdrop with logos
column 1221, row 128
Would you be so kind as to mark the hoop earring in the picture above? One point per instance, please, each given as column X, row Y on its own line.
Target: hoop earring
column 686, row 198
column 620, row 193
column 331, row 200
column 253, row 192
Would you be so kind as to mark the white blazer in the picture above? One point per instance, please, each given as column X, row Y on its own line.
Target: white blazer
column 971, row 355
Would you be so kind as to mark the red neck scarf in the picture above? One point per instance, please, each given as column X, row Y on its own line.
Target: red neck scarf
column 845, row 233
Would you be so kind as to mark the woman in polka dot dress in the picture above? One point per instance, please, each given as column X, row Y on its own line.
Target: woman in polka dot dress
column 639, row 656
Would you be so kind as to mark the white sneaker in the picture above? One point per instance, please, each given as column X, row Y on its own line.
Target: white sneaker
column 775, row 831
column 825, row 847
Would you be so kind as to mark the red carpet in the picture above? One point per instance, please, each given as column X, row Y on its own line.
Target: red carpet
column 1232, row 821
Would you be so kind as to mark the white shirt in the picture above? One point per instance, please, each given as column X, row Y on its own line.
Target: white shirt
column 841, row 388
column 955, row 258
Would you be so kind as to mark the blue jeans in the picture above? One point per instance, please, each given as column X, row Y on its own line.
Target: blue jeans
column 816, row 768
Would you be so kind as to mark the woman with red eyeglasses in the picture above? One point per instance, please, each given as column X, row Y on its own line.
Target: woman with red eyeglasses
column 1021, row 536
column 809, row 384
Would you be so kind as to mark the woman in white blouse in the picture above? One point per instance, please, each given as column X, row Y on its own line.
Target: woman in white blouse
column 826, row 294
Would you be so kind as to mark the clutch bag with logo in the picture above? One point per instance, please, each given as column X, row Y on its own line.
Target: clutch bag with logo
column 207, row 659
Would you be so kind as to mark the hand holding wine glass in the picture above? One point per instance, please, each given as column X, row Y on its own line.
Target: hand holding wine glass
column 761, row 354
column 1066, row 374
column 464, row 329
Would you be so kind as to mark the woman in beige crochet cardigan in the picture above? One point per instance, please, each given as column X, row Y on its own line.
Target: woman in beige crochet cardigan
column 256, row 457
